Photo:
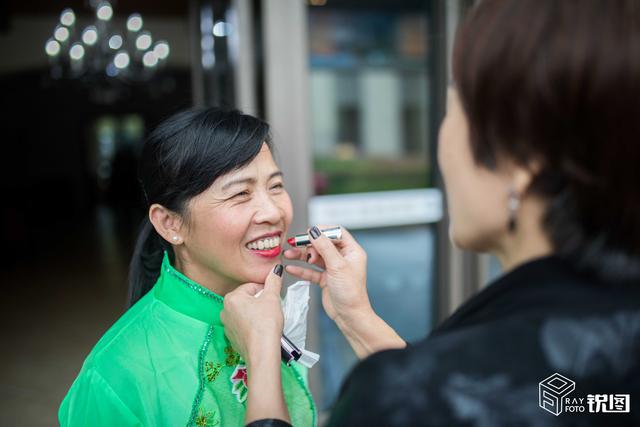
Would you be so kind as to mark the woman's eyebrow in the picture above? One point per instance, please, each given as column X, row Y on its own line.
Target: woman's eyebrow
column 248, row 180
column 275, row 174
column 238, row 181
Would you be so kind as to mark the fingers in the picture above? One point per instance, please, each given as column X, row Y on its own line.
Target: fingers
column 304, row 273
column 325, row 247
column 313, row 257
column 273, row 283
column 305, row 254
column 347, row 243
column 299, row 254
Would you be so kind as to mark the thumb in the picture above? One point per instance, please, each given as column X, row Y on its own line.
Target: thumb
column 325, row 247
column 273, row 283
column 249, row 289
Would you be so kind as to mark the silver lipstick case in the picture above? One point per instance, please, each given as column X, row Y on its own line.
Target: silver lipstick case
column 333, row 233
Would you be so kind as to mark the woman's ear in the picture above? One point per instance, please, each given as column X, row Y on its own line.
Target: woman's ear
column 167, row 223
column 523, row 176
column 518, row 177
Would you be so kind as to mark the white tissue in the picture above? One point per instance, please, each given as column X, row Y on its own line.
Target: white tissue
column 295, row 308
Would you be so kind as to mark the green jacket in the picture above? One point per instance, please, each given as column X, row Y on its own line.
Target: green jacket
column 167, row 362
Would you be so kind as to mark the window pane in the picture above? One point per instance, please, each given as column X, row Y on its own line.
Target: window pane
column 369, row 98
column 370, row 103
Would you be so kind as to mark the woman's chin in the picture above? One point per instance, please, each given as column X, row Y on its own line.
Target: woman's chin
column 470, row 241
column 259, row 273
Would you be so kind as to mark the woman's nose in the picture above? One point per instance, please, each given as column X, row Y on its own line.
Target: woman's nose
column 268, row 210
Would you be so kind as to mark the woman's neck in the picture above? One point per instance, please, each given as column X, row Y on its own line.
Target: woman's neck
column 203, row 276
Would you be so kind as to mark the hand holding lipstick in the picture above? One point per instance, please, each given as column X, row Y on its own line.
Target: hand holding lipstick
column 344, row 290
column 345, row 270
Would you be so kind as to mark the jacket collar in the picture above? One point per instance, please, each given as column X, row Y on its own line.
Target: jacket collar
column 186, row 296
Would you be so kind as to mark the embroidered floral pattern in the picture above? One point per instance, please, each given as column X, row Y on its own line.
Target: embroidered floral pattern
column 212, row 370
column 239, row 381
column 207, row 419
column 233, row 358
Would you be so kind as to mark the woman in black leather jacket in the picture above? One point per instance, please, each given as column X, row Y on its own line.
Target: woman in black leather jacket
column 540, row 155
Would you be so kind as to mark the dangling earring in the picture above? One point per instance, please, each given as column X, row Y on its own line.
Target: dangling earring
column 513, row 205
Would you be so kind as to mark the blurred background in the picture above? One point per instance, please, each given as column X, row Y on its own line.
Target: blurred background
column 354, row 92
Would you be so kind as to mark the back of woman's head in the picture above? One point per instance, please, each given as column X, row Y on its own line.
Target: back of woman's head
column 556, row 85
column 181, row 158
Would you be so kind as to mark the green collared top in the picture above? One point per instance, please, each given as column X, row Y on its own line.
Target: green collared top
column 167, row 362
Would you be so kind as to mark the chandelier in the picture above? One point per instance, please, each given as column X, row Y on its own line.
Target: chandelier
column 102, row 51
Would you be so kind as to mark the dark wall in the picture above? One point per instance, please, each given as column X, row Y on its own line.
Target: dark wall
column 45, row 179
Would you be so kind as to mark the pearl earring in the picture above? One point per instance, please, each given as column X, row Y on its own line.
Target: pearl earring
column 175, row 238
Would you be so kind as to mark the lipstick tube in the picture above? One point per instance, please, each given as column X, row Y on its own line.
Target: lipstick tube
column 288, row 350
column 334, row 233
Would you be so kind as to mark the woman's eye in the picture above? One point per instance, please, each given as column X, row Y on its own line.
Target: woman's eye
column 277, row 186
column 241, row 194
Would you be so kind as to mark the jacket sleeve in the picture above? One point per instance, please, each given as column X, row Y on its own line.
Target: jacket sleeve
column 92, row 402
column 270, row 422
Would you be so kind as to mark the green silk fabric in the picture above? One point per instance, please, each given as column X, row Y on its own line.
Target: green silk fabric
column 167, row 362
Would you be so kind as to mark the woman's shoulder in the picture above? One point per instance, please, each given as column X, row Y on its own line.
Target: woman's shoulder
column 103, row 379
column 125, row 335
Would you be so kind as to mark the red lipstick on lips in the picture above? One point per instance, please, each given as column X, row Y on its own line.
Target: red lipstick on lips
column 268, row 253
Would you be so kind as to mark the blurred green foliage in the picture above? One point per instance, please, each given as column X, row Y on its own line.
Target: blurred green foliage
column 334, row 176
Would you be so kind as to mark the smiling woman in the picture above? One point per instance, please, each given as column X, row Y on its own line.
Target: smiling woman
column 218, row 212
column 232, row 231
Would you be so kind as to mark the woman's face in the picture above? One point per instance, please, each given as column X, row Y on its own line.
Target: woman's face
column 236, row 228
column 476, row 196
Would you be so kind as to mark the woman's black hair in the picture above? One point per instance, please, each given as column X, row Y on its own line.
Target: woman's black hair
column 555, row 83
column 181, row 158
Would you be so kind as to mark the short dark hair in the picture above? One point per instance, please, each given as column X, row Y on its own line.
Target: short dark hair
column 558, row 83
column 181, row 158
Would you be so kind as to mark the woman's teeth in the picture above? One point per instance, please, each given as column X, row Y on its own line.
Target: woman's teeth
column 269, row 243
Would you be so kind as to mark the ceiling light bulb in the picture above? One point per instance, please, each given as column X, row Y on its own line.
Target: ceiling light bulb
column 77, row 51
column 144, row 40
column 90, row 35
column 121, row 60
column 67, row 17
column 134, row 23
column 149, row 59
column 115, row 41
column 52, row 47
column 161, row 49
column 61, row 34
column 104, row 12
